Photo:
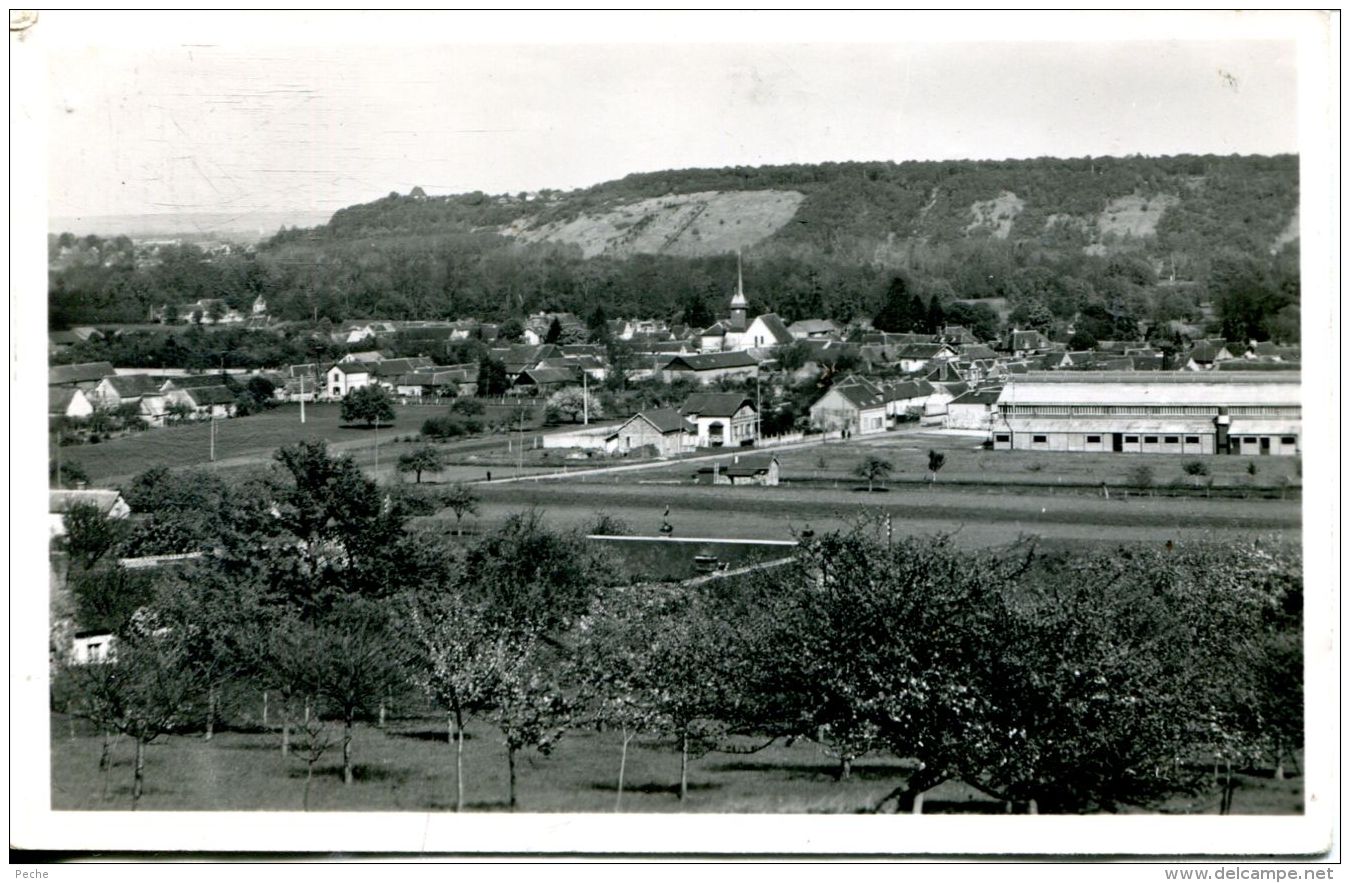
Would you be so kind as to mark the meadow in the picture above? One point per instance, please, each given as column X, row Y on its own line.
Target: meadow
column 409, row 766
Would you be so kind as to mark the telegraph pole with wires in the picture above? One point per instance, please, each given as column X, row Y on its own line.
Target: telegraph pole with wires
column 302, row 397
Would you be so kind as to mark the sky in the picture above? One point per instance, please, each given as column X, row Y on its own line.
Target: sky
column 232, row 124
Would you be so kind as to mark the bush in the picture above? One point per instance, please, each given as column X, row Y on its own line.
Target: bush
column 1141, row 476
column 467, row 407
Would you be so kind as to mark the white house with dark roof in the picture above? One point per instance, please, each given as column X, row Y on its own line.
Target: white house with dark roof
column 344, row 377
column 767, row 331
column 973, row 410
column 68, row 401
column 722, row 419
column 124, row 389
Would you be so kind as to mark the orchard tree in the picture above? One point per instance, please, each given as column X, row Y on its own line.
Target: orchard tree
column 873, row 469
column 526, row 702
column 90, row 534
column 368, row 404
column 62, row 473
column 461, row 499
column 146, row 690
column 422, row 459
column 454, row 661
column 570, row 403
column 359, row 661
column 936, row 460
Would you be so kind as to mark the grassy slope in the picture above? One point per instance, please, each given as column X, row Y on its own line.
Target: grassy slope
column 410, row 767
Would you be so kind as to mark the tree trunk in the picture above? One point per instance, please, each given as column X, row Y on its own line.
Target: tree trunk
column 382, row 710
column 347, row 750
column 309, row 777
column 1033, row 808
column 845, row 768
column 459, row 761
column 684, row 766
column 286, row 737
column 307, row 713
column 511, row 773
column 623, row 763
column 138, row 777
column 264, row 714
column 103, row 759
column 210, row 714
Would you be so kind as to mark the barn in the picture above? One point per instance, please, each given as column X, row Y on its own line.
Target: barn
column 1230, row 413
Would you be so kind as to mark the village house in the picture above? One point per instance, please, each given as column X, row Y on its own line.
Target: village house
column 722, row 419
column 344, row 377
column 544, row 381
column 538, row 325
column 363, row 357
column 1252, row 413
column 742, row 470
column 913, row 357
column 768, row 332
column 663, row 430
column 710, row 367
column 973, row 410
column 85, row 376
column 815, row 329
column 124, row 389
column 445, row 381
column 154, row 409
column 854, row 405
column 1027, row 343
column 906, row 399
column 1204, row 357
column 206, row 402
column 68, row 401
column 92, row 645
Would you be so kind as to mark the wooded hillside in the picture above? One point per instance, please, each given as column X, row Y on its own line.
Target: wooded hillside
column 1150, row 237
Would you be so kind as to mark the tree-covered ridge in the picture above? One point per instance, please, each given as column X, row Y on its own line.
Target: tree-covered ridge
column 1138, row 238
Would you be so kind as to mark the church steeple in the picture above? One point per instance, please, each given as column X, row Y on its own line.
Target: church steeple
column 739, row 304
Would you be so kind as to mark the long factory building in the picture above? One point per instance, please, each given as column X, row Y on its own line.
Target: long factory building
column 1249, row 413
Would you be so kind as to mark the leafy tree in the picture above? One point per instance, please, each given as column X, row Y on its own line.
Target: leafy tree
column 511, row 331
column 1141, row 477
column 696, row 313
column 467, row 407
column 554, row 331
column 454, row 661
column 570, row 403
column 90, row 534
column 898, row 312
column 143, row 693
column 936, row 460
column 934, row 317
column 597, row 322
column 360, row 664
column 1196, row 469
column 72, row 474
column 492, row 378
column 794, row 356
column 369, row 404
column 1082, row 340
column 526, row 704
column 423, row 459
column 874, row 469
column 461, row 499
column 529, row 575
column 109, row 597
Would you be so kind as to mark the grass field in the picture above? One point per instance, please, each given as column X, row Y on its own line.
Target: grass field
column 968, row 463
column 978, row 517
column 251, row 440
column 410, row 767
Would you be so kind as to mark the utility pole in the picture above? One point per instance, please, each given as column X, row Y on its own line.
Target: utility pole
column 213, row 435
column 757, row 417
column 520, row 442
column 302, row 397
column 377, row 447
column 585, row 400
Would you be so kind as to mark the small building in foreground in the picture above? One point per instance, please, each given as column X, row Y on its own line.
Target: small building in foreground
column 1250, row 413
column 742, row 470
column 664, row 430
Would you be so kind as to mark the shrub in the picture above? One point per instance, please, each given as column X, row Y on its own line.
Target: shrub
column 467, row 407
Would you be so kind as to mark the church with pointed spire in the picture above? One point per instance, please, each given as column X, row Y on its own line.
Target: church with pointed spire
column 738, row 331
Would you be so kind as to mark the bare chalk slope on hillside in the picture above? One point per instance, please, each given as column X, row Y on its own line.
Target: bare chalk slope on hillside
column 687, row 224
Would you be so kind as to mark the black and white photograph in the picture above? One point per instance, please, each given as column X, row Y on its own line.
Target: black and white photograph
column 683, row 433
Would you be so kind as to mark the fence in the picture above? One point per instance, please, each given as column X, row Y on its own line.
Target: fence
column 788, row 438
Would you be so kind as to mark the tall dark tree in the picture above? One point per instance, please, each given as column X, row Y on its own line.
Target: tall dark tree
column 492, row 377
column 554, row 331
column 897, row 310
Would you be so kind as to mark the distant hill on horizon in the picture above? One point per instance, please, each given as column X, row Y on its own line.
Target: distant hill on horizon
column 250, row 226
